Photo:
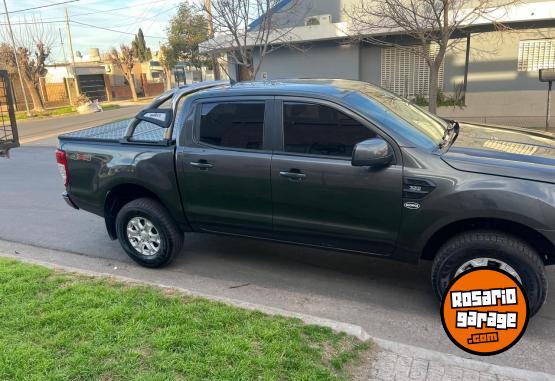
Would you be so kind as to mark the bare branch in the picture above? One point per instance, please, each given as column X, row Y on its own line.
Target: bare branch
column 249, row 30
column 427, row 21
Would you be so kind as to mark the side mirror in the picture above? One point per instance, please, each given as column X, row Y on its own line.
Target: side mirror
column 160, row 116
column 372, row 153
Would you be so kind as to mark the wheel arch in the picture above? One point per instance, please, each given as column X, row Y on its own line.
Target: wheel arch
column 120, row 195
column 535, row 239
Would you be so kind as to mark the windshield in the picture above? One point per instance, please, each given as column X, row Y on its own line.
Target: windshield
column 428, row 124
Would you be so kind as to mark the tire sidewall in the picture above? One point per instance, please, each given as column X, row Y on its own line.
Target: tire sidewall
column 531, row 281
column 123, row 219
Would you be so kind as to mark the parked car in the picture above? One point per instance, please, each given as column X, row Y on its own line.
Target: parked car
column 334, row 164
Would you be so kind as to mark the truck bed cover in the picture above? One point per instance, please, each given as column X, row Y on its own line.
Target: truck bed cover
column 115, row 131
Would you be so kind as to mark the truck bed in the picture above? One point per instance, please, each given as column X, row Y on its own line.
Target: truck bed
column 115, row 131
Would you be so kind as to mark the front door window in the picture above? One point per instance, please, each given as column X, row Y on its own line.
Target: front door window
column 321, row 130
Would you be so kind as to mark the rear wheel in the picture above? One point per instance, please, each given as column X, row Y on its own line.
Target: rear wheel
column 147, row 233
column 492, row 249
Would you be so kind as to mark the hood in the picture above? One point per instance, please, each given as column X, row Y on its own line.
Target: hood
column 504, row 151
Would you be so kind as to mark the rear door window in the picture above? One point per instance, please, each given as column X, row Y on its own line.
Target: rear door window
column 237, row 125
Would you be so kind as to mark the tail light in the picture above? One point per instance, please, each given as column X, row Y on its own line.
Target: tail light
column 61, row 159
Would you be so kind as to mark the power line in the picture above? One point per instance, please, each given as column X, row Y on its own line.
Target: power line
column 97, row 11
column 34, row 22
column 136, row 22
column 41, row 6
column 110, row 30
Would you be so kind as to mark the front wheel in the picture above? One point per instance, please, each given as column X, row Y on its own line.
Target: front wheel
column 147, row 233
column 496, row 250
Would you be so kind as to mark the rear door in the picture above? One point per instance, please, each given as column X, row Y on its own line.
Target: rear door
column 319, row 197
column 224, row 168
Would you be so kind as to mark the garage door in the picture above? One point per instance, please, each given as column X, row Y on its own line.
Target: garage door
column 92, row 86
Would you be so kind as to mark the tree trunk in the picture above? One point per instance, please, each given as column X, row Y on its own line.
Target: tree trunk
column 216, row 68
column 168, row 79
column 131, row 82
column 35, row 96
column 432, row 101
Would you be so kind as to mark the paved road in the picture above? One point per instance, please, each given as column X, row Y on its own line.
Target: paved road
column 390, row 300
column 41, row 131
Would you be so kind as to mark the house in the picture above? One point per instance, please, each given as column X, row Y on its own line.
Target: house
column 495, row 70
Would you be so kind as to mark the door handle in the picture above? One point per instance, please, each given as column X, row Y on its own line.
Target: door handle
column 296, row 176
column 201, row 164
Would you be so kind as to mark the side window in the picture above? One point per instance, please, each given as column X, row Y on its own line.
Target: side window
column 321, row 130
column 233, row 125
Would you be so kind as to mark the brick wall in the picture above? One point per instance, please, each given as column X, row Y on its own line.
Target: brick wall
column 152, row 89
column 121, row 92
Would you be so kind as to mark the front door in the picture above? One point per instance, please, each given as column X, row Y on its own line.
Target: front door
column 319, row 197
column 225, row 168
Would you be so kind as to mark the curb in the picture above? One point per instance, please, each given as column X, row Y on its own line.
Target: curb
column 456, row 361
column 350, row 329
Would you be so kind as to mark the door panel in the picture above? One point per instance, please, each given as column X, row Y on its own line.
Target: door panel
column 224, row 167
column 336, row 204
column 234, row 195
column 319, row 197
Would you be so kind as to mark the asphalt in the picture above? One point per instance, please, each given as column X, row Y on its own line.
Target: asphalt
column 45, row 130
column 390, row 300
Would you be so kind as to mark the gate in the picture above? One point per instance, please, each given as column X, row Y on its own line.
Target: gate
column 8, row 127
column 93, row 86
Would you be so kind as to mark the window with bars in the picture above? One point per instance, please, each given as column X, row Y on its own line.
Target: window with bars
column 405, row 72
column 534, row 55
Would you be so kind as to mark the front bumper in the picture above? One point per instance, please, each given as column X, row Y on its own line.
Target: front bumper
column 68, row 200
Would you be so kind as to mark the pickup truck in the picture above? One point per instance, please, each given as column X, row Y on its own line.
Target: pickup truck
column 333, row 164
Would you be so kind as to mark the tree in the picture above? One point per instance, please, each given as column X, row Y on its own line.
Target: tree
column 125, row 61
column 427, row 22
column 168, row 61
column 33, row 46
column 248, row 30
column 186, row 30
column 140, row 50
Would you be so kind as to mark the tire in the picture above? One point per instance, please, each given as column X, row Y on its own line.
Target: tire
column 498, row 246
column 162, row 229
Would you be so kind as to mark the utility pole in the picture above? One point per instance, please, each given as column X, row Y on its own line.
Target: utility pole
column 215, row 63
column 72, row 55
column 65, row 61
column 17, row 60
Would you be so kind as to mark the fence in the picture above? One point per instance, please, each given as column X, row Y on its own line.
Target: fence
column 52, row 94
column 8, row 127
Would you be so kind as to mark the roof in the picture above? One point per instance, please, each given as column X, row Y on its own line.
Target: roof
column 335, row 88
column 276, row 8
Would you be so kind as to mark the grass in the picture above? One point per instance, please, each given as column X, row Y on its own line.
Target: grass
column 21, row 115
column 58, row 326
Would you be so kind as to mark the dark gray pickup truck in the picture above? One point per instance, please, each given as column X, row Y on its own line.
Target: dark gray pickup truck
column 327, row 163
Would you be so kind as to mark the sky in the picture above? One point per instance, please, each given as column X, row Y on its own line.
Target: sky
column 120, row 15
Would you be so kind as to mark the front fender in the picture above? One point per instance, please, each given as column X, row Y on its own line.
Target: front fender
column 524, row 202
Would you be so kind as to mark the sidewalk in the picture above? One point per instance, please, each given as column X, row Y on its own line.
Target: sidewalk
column 390, row 361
